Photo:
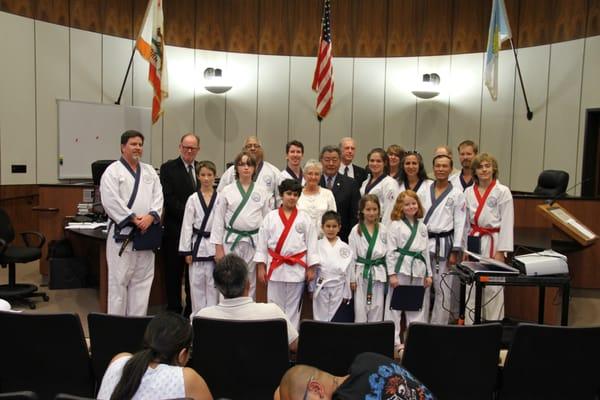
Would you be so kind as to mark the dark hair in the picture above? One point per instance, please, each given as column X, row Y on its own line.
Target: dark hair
column 131, row 134
column 468, row 143
column 384, row 157
column 443, row 156
column 291, row 143
column 250, row 160
column 330, row 149
column 331, row 215
column 230, row 276
column 206, row 164
column 290, row 185
column 422, row 174
column 361, row 206
column 166, row 335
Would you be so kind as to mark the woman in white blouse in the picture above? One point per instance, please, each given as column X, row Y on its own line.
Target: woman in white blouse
column 315, row 200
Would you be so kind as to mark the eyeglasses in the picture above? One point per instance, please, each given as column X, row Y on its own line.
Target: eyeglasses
column 252, row 146
column 245, row 164
column 307, row 387
column 189, row 148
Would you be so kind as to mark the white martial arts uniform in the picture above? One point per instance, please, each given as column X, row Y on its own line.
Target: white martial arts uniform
column 248, row 220
column 446, row 224
column 497, row 213
column 422, row 192
column 363, row 311
column 287, row 173
column 458, row 182
column 267, row 176
column 386, row 190
column 130, row 274
column 315, row 205
column 194, row 241
column 286, row 281
column 332, row 281
column 412, row 270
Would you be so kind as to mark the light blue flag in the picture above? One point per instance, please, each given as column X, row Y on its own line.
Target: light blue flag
column 498, row 33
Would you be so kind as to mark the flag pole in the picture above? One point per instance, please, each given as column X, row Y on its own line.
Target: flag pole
column 529, row 112
column 126, row 75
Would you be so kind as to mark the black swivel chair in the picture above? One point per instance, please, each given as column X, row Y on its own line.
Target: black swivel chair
column 11, row 255
column 240, row 359
column 454, row 362
column 552, row 362
column 44, row 353
column 111, row 335
column 332, row 346
column 552, row 183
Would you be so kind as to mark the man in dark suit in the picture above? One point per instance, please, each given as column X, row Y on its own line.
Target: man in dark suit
column 347, row 152
column 345, row 189
column 179, row 181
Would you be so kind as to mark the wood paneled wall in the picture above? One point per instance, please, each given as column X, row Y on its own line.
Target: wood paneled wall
column 361, row 28
column 17, row 201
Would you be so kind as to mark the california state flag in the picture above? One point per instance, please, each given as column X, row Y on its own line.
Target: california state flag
column 151, row 45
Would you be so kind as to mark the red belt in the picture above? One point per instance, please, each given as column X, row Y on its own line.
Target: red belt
column 485, row 232
column 279, row 260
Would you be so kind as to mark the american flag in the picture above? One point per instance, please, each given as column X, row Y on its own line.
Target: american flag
column 323, row 78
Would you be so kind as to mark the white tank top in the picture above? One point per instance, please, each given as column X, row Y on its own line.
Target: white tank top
column 163, row 382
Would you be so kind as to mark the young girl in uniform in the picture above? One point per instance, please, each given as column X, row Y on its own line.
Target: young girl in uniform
column 194, row 244
column 336, row 257
column 368, row 275
column 407, row 259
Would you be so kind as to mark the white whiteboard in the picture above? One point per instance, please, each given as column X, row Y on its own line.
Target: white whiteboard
column 90, row 131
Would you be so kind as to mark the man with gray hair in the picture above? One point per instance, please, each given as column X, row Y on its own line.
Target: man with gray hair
column 347, row 168
column 231, row 278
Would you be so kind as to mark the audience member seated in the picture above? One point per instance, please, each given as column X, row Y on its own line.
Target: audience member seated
column 158, row 370
column 231, row 278
column 4, row 305
column 371, row 375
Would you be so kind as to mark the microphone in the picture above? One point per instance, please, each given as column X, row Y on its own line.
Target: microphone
column 553, row 199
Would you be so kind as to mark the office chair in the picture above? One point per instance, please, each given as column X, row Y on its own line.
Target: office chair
column 44, row 353
column 552, row 183
column 552, row 362
column 104, row 344
column 10, row 255
column 332, row 346
column 454, row 362
column 240, row 359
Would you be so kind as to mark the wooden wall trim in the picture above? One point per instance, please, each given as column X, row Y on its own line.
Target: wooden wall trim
column 360, row 28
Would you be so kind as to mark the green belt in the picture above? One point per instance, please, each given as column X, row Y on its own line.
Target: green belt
column 240, row 235
column 416, row 255
column 368, row 273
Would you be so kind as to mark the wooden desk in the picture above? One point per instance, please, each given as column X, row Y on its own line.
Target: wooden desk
column 535, row 231
column 91, row 243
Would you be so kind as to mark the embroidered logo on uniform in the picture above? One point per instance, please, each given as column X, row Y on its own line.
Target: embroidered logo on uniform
column 299, row 228
column 450, row 202
column 423, row 233
column 255, row 197
column 267, row 180
column 147, row 179
column 390, row 195
column 383, row 239
column 492, row 202
column 344, row 252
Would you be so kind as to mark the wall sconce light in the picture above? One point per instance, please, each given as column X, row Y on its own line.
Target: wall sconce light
column 214, row 82
column 429, row 87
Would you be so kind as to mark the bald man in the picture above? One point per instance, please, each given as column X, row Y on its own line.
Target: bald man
column 267, row 175
column 370, row 374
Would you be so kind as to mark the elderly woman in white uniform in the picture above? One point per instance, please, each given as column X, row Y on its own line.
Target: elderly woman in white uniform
column 315, row 200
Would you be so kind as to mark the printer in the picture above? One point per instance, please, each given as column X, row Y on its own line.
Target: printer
column 547, row 262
